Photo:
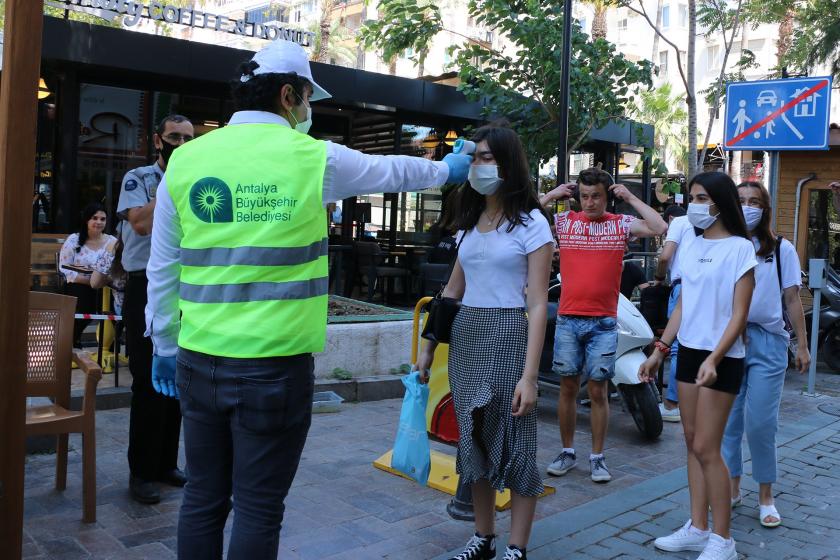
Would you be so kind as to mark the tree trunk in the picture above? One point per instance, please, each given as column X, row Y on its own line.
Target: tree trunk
column 654, row 55
column 599, row 23
column 360, row 52
column 421, row 66
column 690, row 96
column 324, row 31
column 392, row 66
column 737, row 155
column 785, row 37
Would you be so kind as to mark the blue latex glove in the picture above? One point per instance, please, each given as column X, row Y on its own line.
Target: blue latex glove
column 459, row 167
column 163, row 376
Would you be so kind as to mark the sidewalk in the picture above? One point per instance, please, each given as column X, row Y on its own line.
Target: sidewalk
column 341, row 508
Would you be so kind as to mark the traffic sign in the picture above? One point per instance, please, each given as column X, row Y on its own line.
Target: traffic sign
column 775, row 115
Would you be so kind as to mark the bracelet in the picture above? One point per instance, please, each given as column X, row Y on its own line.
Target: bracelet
column 662, row 347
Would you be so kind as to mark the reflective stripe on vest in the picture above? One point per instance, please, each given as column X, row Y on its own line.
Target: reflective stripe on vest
column 253, row 276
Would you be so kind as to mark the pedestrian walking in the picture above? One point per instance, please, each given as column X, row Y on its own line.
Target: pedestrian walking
column 680, row 231
column 238, row 290
column 80, row 251
column 710, row 315
column 591, row 246
column 155, row 422
column 506, row 245
column 755, row 412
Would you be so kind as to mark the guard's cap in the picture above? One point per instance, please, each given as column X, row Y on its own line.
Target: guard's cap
column 286, row 57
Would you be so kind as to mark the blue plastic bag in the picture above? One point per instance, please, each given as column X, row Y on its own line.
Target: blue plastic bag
column 411, row 449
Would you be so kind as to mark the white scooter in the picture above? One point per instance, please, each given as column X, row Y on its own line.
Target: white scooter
column 641, row 400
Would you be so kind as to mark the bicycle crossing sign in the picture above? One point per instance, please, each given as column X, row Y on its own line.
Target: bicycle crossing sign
column 776, row 115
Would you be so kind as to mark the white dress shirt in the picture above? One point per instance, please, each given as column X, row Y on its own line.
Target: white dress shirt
column 348, row 173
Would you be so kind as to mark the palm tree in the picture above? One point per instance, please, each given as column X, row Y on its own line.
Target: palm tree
column 336, row 44
column 658, row 107
column 599, row 20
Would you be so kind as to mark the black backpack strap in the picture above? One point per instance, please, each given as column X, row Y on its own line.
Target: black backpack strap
column 779, row 261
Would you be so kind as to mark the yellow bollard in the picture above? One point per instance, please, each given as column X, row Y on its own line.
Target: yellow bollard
column 107, row 335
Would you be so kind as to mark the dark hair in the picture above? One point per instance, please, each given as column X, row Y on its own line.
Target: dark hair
column 88, row 213
column 595, row 176
column 517, row 193
column 161, row 127
column 260, row 92
column 763, row 231
column 673, row 211
column 721, row 189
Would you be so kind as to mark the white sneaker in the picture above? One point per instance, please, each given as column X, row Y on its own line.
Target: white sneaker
column 672, row 415
column 687, row 538
column 719, row 549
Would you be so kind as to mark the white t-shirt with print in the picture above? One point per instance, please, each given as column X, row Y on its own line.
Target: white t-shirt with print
column 680, row 231
column 496, row 263
column 710, row 269
column 766, row 305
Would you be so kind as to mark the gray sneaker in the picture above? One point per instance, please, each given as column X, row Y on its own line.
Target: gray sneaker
column 562, row 464
column 598, row 470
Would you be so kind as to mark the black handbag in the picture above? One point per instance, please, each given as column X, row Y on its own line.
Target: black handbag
column 442, row 310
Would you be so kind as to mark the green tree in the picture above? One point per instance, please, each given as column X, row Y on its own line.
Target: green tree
column 658, row 107
column 337, row 47
column 523, row 86
column 815, row 37
column 599, row 18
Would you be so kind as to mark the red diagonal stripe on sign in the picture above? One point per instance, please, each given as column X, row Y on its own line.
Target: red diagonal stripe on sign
column 778, row 112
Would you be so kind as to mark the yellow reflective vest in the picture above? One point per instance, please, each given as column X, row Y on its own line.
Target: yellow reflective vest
column 253, row 279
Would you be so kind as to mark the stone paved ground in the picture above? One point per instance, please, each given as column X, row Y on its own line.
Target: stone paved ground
column 340, row 507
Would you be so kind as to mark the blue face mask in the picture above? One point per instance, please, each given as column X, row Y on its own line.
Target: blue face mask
column 484, row 179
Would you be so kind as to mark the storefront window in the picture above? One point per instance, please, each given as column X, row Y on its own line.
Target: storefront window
column 42, row 196
column 113, row 138
column 823, row 228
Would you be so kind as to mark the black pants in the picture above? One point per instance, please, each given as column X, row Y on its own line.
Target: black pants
column 155, row 422
column 86, row 302
column 245, row 424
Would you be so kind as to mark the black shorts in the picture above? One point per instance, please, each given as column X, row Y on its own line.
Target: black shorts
column 730, row 371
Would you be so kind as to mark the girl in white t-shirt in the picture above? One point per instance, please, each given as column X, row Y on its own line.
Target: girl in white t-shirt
column 506, row 244
column 756, row 408
column 711, row 314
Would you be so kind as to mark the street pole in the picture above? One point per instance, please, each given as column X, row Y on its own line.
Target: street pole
column 816, row 281
column 563, row 114
column 18, row 123
column 773, row 185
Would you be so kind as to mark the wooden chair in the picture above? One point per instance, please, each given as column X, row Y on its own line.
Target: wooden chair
column 371, row 266
column 48, row 372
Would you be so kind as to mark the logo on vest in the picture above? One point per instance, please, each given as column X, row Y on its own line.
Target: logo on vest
column 211, row 201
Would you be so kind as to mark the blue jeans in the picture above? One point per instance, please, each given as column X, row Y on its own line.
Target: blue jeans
column 756, row 408
column 671, row 391
column 585, row 345
column 245, row 424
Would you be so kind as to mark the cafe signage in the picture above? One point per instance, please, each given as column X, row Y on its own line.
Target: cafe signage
column 133, row 11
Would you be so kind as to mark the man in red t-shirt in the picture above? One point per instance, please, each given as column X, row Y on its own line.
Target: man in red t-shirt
column 591, row 246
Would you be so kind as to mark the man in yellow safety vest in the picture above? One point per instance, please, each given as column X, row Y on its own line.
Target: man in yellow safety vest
column 238, row 291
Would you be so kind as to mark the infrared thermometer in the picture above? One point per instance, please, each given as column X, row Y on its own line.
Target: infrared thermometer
column 465, row 147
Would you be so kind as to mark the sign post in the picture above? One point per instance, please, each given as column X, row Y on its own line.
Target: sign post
column 18, row 122
column 816, row 281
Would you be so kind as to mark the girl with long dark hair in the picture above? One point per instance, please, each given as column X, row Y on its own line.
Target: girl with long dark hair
column 778, row 278
column 710, row 315
column 506, row 244
column 78, row 256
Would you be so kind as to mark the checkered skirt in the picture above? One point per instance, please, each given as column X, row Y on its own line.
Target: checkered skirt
column 486, row 360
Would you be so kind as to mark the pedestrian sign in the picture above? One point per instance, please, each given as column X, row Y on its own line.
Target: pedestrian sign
column 775, row 115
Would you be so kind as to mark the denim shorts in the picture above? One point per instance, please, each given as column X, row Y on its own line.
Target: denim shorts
column 585, row 345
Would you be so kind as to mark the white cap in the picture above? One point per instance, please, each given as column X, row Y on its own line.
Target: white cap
column 286, row 57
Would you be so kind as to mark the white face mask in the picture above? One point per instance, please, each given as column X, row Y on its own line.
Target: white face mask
column 752, row 216
column 698, row 215
column 303, row 126
column 484, row 178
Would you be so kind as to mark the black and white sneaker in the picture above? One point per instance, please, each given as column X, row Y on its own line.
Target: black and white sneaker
column 514, row 553
column 479, row 548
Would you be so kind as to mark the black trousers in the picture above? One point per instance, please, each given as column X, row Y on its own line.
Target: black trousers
column 245, row 424
column 155, row 421
column 86, row 302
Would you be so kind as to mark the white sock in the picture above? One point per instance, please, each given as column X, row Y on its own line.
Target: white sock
column 593, row 456
column 569, row 450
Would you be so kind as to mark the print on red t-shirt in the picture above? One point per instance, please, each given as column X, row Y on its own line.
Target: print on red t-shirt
column 591, row 252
